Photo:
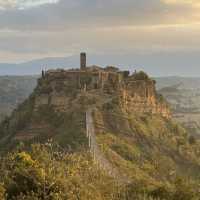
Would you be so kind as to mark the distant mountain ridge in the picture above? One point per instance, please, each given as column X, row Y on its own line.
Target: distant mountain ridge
column 35, row 67
column 157, row 64
column 189, row 83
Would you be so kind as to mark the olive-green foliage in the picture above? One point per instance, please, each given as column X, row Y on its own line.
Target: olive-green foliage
column 47, row 113
column 48, row 172
column 161, row 98
column 86, row 80
column 2, row 192
column 14, row 90
column 19, row 118
column 71, row 132
column 153, row 151
column 65, row 127
column 43, row 87
column 181, row 190
column 192, row 140
column 141, row 76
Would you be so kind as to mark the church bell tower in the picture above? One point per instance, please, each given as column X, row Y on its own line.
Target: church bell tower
column 83, row 61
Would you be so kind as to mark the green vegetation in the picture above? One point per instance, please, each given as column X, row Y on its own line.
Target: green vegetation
column 14, row 90
column 66, row 128
column 141, row 76
column 153, row 152
column 18, row 120
column 86, row 80
column 44, row 87
column 48, row 172
column 157, row 157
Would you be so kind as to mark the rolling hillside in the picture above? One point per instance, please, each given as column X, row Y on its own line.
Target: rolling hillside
column 152, row 152
column 14, row 90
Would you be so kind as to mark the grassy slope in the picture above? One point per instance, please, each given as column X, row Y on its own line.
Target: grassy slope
column 147, row 148
column 14, row 90
column 68, row 129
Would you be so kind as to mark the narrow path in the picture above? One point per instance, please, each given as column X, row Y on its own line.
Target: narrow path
column 98, row 155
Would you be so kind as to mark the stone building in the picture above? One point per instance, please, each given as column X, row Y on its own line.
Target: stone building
column 136, row 92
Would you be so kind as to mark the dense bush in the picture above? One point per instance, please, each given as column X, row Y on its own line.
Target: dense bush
column 48, row 172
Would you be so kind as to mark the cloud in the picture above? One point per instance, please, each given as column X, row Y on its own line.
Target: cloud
column 73, row 13
column 7, row 4
column 44, row 27
column 193, row 3
column 118, row 40
column 68, row 14
column 23, row 4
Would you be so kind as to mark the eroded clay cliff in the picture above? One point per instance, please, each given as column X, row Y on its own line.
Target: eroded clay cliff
column 134, row 93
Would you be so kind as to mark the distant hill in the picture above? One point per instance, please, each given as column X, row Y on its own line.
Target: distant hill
column 36, row 66
column 185, row 104
column 180, row 82
column 159, row 64
column 13, row 91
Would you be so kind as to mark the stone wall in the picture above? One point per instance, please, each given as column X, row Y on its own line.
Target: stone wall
column 136, row 93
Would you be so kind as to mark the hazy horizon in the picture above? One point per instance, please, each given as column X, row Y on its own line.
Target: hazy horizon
column 156, row 65
column 161, row 36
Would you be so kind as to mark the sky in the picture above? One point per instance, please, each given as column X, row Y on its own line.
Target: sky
column 31, row 29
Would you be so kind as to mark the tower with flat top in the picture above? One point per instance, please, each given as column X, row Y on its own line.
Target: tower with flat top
column 83, row 61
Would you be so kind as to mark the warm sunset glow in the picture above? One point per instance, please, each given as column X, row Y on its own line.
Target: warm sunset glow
column 49, row 28
column 183, row 2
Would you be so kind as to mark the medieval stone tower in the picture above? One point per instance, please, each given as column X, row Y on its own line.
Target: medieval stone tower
column 83, row 61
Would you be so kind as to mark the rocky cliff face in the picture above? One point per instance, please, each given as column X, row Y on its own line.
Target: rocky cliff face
column 135, row 93
column 61, row 98
column 140, row 96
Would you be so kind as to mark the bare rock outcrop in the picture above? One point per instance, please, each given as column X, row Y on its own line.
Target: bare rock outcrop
column 135, row 93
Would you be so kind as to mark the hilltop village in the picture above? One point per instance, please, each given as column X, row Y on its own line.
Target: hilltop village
column 102, row 121
column 135, row 92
